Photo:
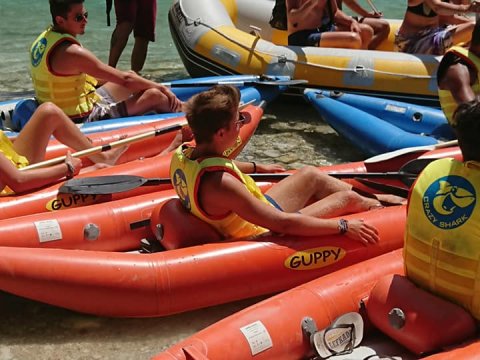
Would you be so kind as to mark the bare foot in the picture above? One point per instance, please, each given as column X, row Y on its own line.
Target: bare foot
column 391, row 199
column 110, row 157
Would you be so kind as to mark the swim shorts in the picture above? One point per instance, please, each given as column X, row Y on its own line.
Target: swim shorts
column 309, row 37
column 141, row 13
column 433, row 41
column 105, row 108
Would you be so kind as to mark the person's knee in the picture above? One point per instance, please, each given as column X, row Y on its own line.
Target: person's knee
column 314, row 176
column 355, row 40
column 155, row 99
column 354, row 200
column 50, row 110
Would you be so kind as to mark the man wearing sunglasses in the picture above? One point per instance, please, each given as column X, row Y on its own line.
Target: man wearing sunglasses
column 217, row 190
column 67, row 74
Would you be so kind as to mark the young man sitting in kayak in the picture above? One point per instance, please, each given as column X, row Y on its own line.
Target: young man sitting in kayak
column 216, row 189
column 322, row 23
column 30, row 146
column 442, row 247
column 67, row 74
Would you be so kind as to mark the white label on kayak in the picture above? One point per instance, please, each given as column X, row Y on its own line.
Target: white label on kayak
column 48, row 230
column 257, row 336
column 397, row 109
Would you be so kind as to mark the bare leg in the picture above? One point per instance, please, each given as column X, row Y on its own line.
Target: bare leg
column 339, row 203
column 463, row 33
column 118, row 42
column 148, row 100
column 295, row 191
column 381, row 30
column 49, row 120
column 341, row 39
column 139, row 53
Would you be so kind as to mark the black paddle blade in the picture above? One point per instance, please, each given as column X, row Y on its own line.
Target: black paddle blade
column 101, row 185
column 416, row 166
column 385, row 188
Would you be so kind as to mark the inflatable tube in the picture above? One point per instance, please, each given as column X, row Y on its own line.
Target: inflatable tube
column 250, row 86
column 367, row 132
column 215, row 37
column 49, row 199
column 272, row 329
column 173, row 281
column 416, row 119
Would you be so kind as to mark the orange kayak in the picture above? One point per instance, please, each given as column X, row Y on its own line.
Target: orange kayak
column 272, row 328
column 162, row 283
column 135, row 162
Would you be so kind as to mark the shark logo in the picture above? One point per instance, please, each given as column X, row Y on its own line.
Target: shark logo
column 180, row 185
column 449, row 201
column 38, row 51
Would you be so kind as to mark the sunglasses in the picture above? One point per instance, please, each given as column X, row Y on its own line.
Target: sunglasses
column 81, row 17
column 241, row 120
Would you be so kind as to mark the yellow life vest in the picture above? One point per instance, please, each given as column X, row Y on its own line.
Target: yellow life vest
column 74, row 94
column 186, row 175
column 442, row 238
column 6, row 148
column 447, row 102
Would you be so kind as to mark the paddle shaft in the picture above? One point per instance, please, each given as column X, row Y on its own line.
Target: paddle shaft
column 105, row 147
column 372, row 5
column 272, row 82
column 119, row 183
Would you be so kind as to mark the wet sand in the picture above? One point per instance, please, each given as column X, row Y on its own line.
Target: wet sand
column 31, row 330
column 291, row 134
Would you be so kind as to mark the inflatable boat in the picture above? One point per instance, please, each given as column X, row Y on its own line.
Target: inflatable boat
column 375, row 125
column 340, row 314
column 142, row 158
column 216, row 37
column 177, row 280
column 15, row 113
column 121, row 223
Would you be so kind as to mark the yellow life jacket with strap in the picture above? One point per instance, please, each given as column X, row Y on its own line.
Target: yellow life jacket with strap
column 442, row 238
column 6, row 148
column 447, row 102
column 74, row 94
column 186, row 175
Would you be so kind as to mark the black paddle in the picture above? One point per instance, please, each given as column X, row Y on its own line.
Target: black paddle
column 117, row 183
column 385, row 188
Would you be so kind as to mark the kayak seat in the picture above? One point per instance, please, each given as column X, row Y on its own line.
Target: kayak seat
column 415, row 318
column 176, row 228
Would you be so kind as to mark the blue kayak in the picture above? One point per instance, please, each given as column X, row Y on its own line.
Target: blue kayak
column 253, row 88
column 371, row 134
column 417, row 119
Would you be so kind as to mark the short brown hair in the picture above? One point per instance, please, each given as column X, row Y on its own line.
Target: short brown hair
column 61, row 8
column 211, row 110
column 467, row 120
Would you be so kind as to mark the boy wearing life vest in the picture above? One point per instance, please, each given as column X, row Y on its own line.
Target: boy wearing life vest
column 30, row 145
column 67, row 74
column 457, row 75
column 442, row 247
column 218, row 191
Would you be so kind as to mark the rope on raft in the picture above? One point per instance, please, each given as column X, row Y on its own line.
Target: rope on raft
column 284, row 59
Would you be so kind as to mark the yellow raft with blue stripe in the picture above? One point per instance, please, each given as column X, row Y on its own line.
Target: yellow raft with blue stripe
column 216, row 37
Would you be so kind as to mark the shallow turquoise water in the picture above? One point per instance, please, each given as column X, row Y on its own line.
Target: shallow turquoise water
column 22, row 20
